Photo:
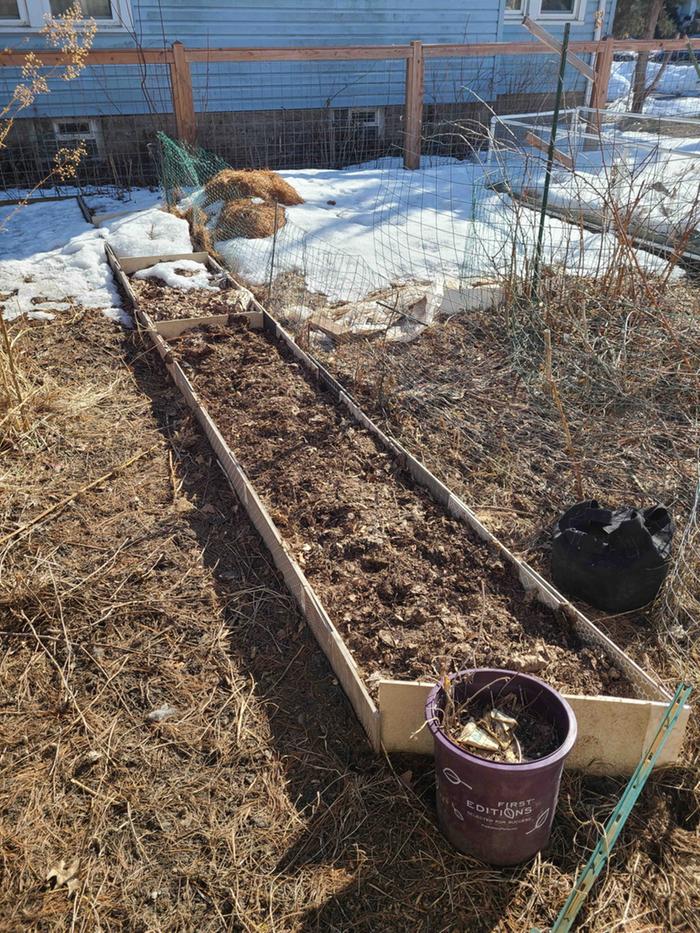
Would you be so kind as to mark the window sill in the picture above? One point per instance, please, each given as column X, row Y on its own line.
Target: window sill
column 25, row 27
column 553, row 19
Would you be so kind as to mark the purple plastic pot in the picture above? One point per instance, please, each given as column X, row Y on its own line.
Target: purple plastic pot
column 499, row 813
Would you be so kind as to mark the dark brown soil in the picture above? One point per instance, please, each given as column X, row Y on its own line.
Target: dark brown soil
column 163, row 303
column 413, row 591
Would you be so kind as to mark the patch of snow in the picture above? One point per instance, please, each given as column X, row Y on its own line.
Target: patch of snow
column 675, row 79
column 163, row 712
column 386, row 225
column 119, row 316
column 117, row 199
column 169, row 272
column 650, row 179
column 148, row 233
column 51, row 260
column 103, row 199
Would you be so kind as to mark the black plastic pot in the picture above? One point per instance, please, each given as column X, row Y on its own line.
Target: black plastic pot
column 613, row 560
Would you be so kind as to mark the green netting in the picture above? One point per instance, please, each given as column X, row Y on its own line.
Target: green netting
column 182, row 167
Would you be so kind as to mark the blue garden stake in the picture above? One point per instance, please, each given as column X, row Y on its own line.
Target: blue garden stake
column 618, row 817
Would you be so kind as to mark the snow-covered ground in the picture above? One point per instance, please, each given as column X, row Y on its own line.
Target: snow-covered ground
column 52, row 260
column 646, row 178
column 362, row 228
column 102, row 200
column 676, row 94
column 359, row 230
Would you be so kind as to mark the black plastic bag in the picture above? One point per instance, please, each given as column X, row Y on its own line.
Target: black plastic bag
column 613, row 560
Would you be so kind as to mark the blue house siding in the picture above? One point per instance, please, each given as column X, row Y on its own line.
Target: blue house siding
column 103, row 91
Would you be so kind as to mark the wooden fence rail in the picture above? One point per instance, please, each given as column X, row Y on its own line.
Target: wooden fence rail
column 178, row 58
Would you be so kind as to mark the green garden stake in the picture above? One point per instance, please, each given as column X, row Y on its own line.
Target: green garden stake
column 618, row 817
column 550, row 160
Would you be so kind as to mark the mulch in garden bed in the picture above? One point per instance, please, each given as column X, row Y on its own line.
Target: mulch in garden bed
column 414, row 592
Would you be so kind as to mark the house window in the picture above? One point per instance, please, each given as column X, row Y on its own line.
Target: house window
column 32, row 14
column 364, row 120
column 547, row 11
column 12, row 10
column 97, row 9
column 69, row 133
column 557, row 7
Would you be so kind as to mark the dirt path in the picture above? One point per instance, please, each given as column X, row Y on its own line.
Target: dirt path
column 256, row 805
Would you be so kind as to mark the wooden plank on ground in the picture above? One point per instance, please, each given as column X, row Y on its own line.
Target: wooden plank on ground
column 613, row 732
column 84, row 209
column 121, row 278
column 131, row 264
column 169, row 330
column 99, row 219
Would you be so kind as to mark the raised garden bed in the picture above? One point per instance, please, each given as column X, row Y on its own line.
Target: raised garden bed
column 415, row 592
column 166, row 303
column 418, row 516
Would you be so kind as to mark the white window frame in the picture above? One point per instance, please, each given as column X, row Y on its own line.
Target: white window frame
column 376, row 123
column 533, row 9
column 20, row 23
column 94, row 133
column 34, row 14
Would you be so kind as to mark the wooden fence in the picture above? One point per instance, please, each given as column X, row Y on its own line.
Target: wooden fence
column 179, row 58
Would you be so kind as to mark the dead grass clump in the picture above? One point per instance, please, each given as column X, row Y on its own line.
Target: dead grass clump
column 232, row 184
column 245, row 218
column 200, row 234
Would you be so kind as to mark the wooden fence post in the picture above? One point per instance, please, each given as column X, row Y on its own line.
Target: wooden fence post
column 413, row 112
column 603, row 67
column 183, row 102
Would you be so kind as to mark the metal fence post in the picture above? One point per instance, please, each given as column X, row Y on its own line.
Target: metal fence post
column 550, row 160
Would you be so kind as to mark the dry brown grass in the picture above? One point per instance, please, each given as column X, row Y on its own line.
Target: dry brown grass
column 200, row 234
column 256, row 805
column 245, row 218
column 231, row 184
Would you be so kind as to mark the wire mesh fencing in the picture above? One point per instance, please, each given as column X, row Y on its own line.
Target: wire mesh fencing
column 300, row 114
column 112, row 111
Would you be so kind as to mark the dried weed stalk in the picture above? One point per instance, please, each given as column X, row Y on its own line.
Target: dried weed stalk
column 71, row 34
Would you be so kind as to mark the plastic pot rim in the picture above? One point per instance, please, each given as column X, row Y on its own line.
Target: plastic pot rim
column 560, row 752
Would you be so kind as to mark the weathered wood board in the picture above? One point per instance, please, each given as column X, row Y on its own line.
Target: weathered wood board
column 613, row 732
